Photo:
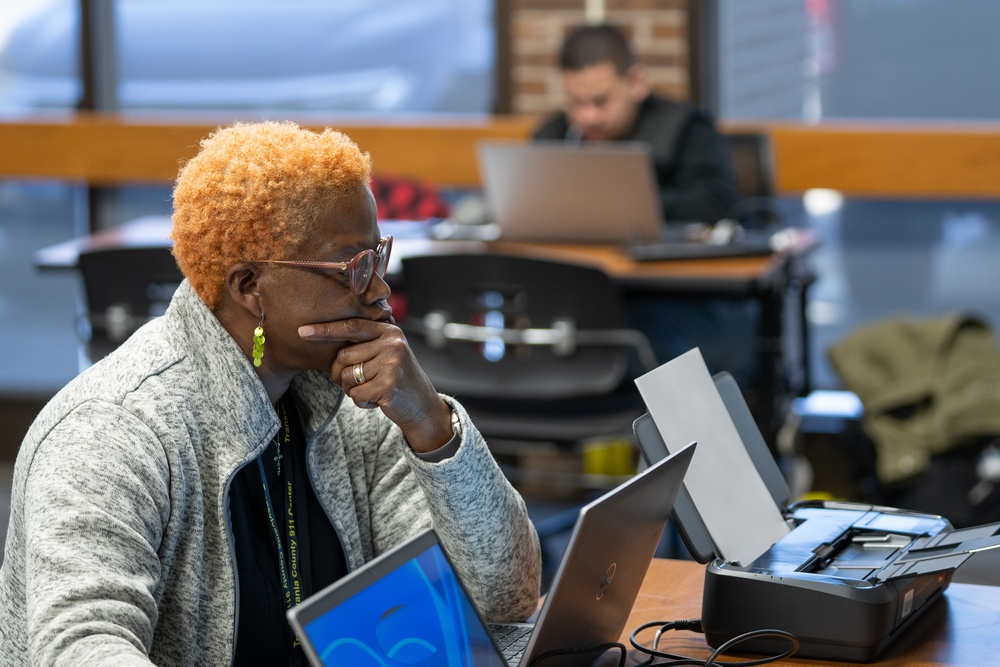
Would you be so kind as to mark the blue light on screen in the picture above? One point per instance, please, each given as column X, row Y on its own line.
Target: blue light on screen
column 418, row 614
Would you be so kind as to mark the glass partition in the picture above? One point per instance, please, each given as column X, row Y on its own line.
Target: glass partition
column 819, row 60
column 357, row 56
column 919, row 61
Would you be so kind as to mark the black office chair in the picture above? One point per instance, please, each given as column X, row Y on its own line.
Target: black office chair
column 535, row 349
column 123, row 289
column 753, row 167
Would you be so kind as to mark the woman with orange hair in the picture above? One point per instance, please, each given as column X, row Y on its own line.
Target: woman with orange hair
column 269, row 433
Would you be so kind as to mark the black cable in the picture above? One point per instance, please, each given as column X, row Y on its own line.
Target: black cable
column 600, row 649
column 694, row 625
column 754, row 634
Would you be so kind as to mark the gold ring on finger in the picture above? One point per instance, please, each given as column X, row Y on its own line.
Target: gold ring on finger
column 359, row 372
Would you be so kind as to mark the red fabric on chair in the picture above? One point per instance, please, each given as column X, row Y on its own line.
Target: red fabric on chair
column 407, row 199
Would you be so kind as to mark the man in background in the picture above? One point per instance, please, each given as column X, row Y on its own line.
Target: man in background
column 608, row 98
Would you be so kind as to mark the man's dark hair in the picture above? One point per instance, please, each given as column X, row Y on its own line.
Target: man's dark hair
column 591, row 45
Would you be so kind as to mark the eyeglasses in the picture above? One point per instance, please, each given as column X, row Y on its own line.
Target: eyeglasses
column 360, row 268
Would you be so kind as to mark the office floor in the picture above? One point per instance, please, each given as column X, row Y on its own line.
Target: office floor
column 877, row 258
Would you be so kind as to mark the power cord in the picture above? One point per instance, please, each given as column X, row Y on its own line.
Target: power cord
column 694, row 625
column 595, row 650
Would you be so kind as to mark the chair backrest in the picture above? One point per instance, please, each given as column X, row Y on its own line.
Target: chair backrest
column 753, row 168
column 123, row 289
column 502, row 326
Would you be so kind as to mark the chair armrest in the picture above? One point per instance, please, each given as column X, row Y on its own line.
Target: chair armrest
column 563, row 336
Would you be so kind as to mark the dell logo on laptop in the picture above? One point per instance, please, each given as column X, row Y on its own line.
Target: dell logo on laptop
column 602, row 588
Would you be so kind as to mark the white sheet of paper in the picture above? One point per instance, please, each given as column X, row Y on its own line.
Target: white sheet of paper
column 730, row 495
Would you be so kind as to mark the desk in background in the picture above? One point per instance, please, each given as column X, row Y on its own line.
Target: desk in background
column 768, row 280
column 961, row 630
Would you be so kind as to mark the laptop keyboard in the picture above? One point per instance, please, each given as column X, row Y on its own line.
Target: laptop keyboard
column 652, row 251
column 511, row 640
column 699, row 241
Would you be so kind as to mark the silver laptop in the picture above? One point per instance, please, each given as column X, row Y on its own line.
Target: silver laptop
column 408, row 605
column 558, row 192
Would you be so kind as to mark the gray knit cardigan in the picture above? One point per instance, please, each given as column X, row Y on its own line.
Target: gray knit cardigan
column 120, row 550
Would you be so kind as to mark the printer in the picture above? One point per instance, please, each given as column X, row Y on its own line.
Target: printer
column 846, row 579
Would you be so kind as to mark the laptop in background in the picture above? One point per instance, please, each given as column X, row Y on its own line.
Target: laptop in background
column 409, row 602
column 551, row 191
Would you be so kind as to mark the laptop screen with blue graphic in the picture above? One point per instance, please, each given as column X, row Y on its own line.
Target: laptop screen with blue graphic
column 406, row 607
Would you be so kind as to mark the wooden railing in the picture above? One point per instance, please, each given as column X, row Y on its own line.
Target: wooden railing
column 872, row 159
column 905, row 160
column 105, row 151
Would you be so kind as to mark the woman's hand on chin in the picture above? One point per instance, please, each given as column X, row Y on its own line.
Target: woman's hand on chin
column 377, row 369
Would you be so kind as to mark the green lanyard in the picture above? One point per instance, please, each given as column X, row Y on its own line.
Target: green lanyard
column 290, row 572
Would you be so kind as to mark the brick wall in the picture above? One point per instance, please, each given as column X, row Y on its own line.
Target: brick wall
column 657, row 28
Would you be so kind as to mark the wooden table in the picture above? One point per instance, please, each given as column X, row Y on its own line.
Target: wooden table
column 725, row 276
column 735, row 276
column 960, row 630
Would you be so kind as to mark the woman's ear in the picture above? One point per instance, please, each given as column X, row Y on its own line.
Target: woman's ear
column 242, row 287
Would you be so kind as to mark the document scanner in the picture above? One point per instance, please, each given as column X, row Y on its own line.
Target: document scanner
column 846, row 579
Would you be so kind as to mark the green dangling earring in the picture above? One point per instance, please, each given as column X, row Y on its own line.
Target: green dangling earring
column 258, row 341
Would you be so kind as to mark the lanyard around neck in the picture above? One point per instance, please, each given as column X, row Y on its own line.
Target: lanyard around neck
column 289, row 571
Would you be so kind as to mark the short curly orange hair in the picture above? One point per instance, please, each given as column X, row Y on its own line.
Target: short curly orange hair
column 252, row 192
